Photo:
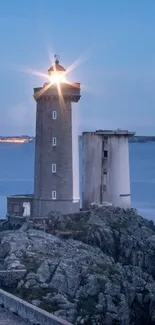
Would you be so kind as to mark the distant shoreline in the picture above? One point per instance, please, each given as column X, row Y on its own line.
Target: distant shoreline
column 29, row 139
column 17, row 139
column 141, row 139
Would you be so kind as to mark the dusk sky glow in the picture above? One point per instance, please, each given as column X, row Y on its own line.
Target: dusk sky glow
column 113, row 45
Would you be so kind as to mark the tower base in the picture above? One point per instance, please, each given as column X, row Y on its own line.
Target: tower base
column 123, row 201
column 41, row 207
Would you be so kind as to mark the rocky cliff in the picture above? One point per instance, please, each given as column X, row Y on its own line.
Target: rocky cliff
column 95, row 267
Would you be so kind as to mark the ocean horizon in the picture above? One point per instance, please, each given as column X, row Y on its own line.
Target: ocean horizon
column 17, row 170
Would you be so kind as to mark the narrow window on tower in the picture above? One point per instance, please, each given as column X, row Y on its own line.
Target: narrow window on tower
column 105, row 154
column 54, row 115
column 53, row 168
column 54, row 195
column 104, row 178
column 54, row 141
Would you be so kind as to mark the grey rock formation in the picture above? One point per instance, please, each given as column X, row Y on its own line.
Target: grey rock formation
column 95, row 267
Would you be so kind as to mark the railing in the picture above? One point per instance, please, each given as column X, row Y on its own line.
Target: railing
column 27, row 311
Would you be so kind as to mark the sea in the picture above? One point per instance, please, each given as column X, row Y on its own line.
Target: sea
column 17, row 170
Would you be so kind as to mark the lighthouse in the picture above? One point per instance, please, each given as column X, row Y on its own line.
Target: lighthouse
column 56, row 176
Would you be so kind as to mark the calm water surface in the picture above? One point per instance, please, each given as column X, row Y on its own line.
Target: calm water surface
column 17, row 169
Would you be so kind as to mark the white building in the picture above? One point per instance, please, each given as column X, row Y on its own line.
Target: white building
column 106, row 174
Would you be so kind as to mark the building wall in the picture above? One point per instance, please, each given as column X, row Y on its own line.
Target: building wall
column 118, row 186
column 104, row 169
column 106, row 176
column 45, row 155
column 92, row 168
column 15, row 205
column 75, row 155
column 43, row 207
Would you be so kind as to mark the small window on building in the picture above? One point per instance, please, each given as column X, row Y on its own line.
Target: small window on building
column 54, row 195
column 105, row 154
column 54, row 141
column 16, row 208
column 105, row 172
column 53, row 168
column 54, row 115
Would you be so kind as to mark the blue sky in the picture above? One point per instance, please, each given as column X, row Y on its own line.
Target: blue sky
column 116, row 40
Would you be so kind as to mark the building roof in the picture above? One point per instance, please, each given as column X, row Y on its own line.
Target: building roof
column 20, row 196
column 117, row 132
column 56, row 67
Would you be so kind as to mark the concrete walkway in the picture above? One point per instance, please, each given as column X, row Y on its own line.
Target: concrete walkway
column 7, row 318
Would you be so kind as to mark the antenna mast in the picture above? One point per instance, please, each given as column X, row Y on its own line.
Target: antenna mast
column 56, row 57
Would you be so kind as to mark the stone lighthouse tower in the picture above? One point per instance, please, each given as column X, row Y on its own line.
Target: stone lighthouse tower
column 56, row 180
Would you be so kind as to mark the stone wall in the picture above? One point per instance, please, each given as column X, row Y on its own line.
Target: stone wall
column 11, row 277
column 16, row 221
column 27, row 311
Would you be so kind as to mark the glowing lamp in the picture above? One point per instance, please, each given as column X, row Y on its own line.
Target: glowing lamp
column 57, row 73
column 57, row 77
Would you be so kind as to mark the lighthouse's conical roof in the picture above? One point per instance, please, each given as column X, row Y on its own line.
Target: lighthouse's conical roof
column 56, row 67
